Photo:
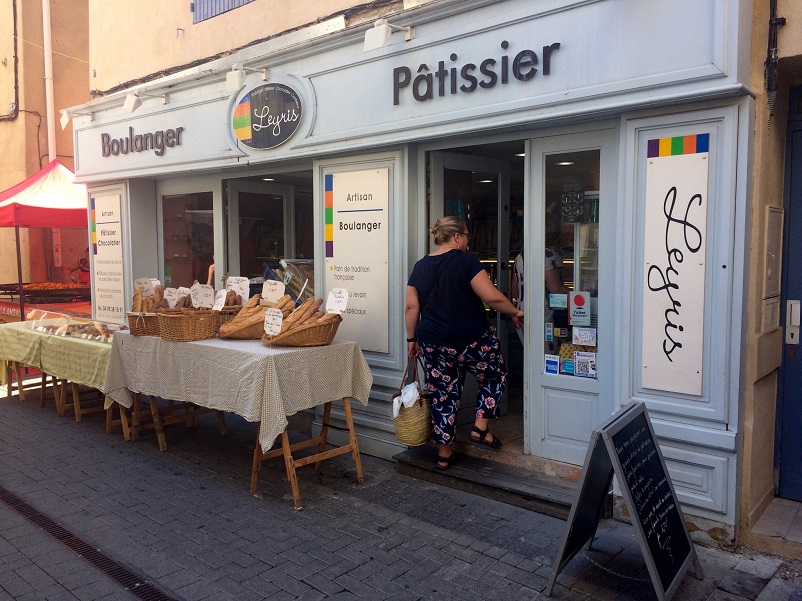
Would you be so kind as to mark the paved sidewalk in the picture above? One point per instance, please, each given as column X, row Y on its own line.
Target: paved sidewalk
column 185, row 522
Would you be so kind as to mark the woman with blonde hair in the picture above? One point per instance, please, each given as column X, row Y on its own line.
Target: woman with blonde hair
column 447, row 324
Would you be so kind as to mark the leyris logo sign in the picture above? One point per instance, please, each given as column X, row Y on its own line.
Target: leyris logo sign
column 267, row 116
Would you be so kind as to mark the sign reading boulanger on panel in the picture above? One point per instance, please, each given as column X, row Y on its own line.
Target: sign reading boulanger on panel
column 107, row 248
column 357, row 253
column 674, row 270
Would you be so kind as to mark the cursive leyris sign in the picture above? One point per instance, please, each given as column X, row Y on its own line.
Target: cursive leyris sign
column 267, row 116
column 675, row 239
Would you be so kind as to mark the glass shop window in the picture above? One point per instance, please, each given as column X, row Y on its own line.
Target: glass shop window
column 571, row 262
column 188, row 238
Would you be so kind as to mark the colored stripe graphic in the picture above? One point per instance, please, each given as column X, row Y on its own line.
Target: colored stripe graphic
column 666, row 147
column 329, row 210
column 241, row 121
column 93, row 221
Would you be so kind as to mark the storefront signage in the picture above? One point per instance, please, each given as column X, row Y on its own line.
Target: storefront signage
column 156, row 141
column 267, row 116
column 357, row 242
column 453, row 76
column 108, row 291
column 674, row 263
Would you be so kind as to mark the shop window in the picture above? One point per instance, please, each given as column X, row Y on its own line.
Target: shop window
column 188, row 238
column 571, row 265
column 206, row 9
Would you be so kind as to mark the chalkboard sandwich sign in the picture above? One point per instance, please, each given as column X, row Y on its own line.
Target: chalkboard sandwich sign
column 626, row 446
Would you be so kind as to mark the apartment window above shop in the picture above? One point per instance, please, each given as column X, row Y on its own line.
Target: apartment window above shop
column 206, row 9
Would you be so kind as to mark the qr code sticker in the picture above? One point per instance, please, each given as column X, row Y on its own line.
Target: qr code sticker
column 585, row 364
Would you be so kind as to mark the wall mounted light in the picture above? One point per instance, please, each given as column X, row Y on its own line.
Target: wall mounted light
column 134, row 101
column 67, row 114
column 235, row 78
column 379, row 34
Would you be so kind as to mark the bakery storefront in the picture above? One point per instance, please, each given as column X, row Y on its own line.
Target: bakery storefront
column 580, row 136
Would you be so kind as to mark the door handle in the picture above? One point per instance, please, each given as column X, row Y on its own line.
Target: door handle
column 792, row 318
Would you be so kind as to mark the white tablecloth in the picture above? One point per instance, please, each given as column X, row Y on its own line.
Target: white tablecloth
column 262, row 384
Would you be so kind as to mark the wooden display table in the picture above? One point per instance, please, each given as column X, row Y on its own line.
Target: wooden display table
column 260, row 384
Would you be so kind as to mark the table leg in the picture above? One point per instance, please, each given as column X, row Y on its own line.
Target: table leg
column 124, row 423
column 324, row 432
column 20, row 387
column 43, row 390
column 135, row 417
column 61, row 402
column 157, row 423
column 352, row 439
column 290, row 465
column 76, row 401
column 221, row 418
column 8, row 378
column 257, row 461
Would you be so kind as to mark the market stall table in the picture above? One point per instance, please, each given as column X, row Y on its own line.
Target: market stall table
column 261, row 384
column 64, row 358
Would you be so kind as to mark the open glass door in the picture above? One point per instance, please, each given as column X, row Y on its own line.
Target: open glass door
column 477, row 189
column 571, row 273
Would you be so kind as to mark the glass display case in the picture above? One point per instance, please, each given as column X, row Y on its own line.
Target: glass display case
column 74, row 327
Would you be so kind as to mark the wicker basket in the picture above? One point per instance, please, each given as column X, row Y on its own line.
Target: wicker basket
column 413, row 426
column 144, row 324
column 188, row 326
column 226, row 314
column 307, row 335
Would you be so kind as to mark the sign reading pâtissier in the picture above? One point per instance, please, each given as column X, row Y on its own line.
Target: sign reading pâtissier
column 267, row 116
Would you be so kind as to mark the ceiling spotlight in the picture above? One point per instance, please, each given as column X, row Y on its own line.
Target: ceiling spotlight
column 67, row 114
column 235, row 78
column 379, row 34
column 134, row 101
column 564, row 163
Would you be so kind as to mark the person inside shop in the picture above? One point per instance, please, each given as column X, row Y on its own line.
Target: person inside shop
column 83, row 267
column 553, row 266
column 447, row 325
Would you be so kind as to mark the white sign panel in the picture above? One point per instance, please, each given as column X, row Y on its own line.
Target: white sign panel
column 674, row 269
column 108, row 292
column 357, row 253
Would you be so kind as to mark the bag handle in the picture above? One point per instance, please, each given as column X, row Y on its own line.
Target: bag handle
column 404, row 377
column 421, row 380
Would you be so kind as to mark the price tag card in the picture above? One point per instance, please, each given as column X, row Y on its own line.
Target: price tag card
column 273, row 320
column 171, row 294
column 337, row 300
column 219, row 300
column 202, row 296
column 145, row 285
column 272, row 290
column 241, row 286
column 154, row 282
column 183, row 291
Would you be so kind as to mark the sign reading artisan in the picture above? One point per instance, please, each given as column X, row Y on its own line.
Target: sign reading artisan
column 157, row 141
column 522, row 67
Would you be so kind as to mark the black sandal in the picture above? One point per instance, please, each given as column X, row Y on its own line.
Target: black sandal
column 481, row 439
column 449, row 461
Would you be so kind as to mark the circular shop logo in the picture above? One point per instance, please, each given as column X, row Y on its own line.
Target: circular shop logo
column 267, row 116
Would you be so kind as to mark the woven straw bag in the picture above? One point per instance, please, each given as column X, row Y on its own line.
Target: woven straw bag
column 413, row 426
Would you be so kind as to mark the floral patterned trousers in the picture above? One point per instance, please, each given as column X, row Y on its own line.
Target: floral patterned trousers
column 445, row 376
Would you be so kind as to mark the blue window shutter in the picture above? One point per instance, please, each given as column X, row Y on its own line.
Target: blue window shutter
column 206, row 9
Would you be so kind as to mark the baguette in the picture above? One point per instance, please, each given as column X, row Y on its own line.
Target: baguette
column 158, row 293
column 296, row 315
column 136, row 307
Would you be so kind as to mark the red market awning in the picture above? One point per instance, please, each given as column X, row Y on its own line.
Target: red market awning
column 49, row 198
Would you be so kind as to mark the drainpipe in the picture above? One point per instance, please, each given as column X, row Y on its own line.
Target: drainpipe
column 771, row 68
column 14, row 109
column 49, row 98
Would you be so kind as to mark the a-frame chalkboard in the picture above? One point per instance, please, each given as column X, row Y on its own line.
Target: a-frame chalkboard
column 626, row 446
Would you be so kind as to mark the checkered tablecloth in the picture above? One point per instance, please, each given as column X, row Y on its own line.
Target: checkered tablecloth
column 262, row 384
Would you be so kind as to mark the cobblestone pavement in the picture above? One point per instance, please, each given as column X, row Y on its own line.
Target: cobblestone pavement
column 184, row 522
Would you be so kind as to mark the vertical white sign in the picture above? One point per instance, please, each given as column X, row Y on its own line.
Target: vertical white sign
column 107, row 259
column 357, row 253
column 674, row 272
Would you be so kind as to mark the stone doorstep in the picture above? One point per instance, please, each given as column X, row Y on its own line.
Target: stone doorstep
column 510, row 484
